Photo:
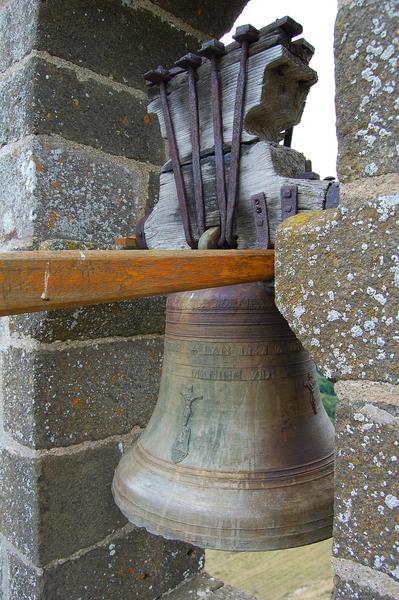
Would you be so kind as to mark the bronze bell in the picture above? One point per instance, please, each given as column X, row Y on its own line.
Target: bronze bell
column 238, row 454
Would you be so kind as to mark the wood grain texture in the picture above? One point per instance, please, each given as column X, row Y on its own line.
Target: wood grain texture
column 278, row 62
column 36, row 281
column 264, row 167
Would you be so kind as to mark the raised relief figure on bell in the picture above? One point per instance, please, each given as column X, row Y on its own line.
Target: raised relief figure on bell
column 181, row 445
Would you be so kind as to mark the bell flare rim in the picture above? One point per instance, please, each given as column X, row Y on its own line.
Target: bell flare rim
column 211, row 539
column 118, row 494
column 173, row 510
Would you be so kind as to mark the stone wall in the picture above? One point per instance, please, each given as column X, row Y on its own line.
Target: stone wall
column 338, row 286
column 79, row 163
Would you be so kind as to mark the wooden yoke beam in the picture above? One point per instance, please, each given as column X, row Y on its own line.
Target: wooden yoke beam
column 40, row 280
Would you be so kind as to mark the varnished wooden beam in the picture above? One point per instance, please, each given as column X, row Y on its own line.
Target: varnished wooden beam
column 39, row 280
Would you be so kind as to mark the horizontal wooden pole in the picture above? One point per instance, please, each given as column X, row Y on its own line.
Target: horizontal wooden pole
column 40, row 280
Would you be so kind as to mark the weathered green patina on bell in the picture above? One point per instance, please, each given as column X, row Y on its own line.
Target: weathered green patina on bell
column 238, row 454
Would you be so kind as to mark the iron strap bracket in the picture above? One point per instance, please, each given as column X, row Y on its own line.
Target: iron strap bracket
column 261, row 218
column 289, row 201
column 140, row 234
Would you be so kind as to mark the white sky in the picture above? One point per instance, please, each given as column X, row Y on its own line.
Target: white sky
column 315, row 136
